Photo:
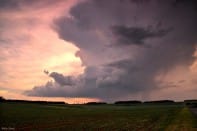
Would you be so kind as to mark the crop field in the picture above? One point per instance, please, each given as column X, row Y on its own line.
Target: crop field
column 153, row 117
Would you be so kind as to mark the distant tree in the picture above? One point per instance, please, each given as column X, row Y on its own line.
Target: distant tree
column 191, row 103
column 56, row 102
column 96, row 103
column 128, row 102
column 1, row 99
column 35, row 102
column 160, row 101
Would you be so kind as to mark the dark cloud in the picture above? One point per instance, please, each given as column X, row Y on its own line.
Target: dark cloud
column 9, row 4
column 135, row 35
column 192, row 3
column 61, row 79
column 49, row 89
column 46, row 72
column 114, row 72
column 126, row 63
column 13, row 5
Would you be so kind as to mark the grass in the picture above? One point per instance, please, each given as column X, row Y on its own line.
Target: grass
column 184, row 121
column 102, row 117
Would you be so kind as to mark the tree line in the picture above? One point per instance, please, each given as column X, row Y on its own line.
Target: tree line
column 192, row 103
column 29, row 101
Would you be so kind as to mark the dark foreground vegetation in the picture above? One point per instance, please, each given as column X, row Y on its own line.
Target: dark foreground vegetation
column 191, row 103
column 21, row 115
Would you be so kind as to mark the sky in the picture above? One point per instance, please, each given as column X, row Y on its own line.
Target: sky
column 98, row 50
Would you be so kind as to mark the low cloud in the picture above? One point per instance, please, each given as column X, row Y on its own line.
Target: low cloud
column 61, row 79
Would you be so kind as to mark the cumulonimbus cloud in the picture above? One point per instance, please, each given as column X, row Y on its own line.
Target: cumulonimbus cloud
column 121, row 71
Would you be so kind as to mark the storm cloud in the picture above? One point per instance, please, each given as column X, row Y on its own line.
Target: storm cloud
column 168, row 28
column 62, row 80
column 135, row 35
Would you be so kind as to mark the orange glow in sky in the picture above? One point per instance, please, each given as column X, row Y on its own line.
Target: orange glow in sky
column 35, row 47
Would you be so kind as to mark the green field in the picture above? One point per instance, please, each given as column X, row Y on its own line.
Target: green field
column 173, row 117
